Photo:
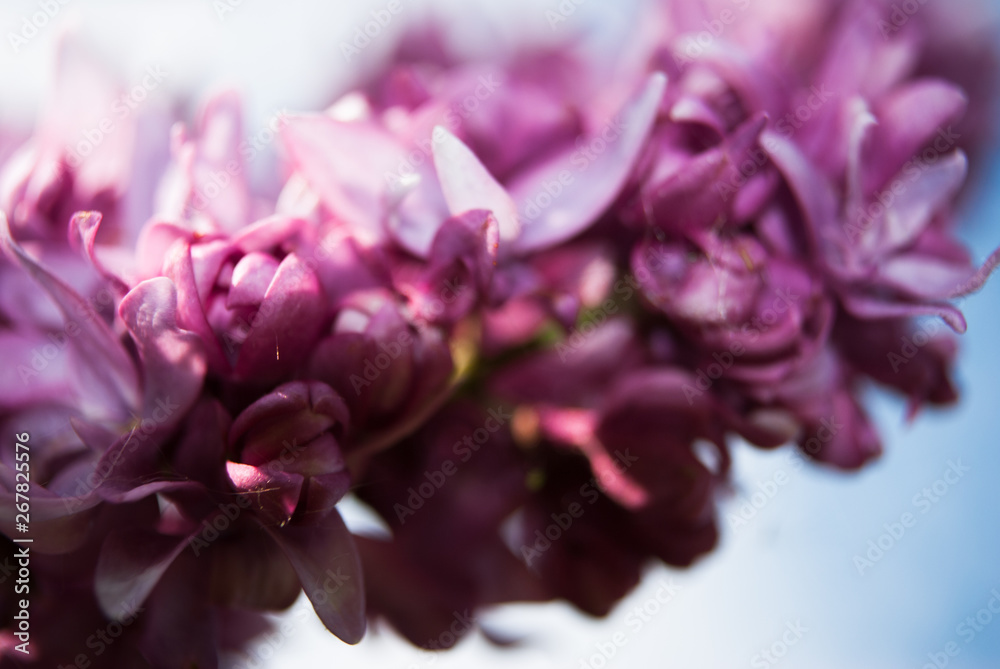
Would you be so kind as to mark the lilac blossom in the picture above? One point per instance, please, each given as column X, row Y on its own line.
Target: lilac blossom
column 524, row 330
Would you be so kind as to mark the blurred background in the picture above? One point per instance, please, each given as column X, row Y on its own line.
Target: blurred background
column 817, row 571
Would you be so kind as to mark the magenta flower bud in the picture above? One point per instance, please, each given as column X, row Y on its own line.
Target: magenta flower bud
column 258, row 309
column 286, row 443
column 383, row 366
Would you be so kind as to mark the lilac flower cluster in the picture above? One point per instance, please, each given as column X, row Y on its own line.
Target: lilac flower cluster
column 521, row 308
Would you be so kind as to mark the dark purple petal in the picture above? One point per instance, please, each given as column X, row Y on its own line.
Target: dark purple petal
column 322, row 551
column 131, row 564
column 179, row 624
column 294, row 413
column 249, row 571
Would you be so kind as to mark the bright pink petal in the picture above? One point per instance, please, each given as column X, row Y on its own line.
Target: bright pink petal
column 467, row 185
column 173, row 359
